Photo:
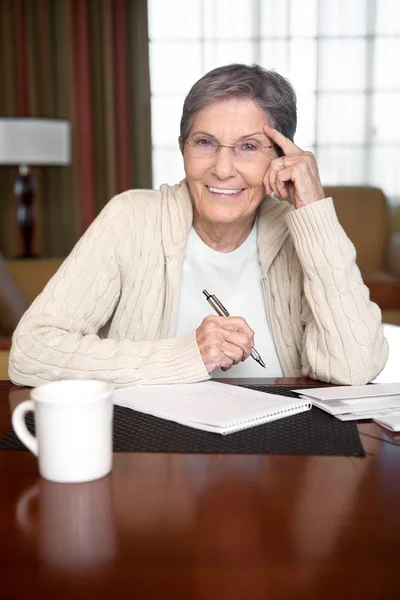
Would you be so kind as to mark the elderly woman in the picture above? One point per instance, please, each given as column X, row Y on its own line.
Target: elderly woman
column 250, row 223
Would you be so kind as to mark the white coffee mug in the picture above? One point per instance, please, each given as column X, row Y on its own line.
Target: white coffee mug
column 73, row 420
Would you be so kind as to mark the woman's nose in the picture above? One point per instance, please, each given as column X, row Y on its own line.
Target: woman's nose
column 224, row 163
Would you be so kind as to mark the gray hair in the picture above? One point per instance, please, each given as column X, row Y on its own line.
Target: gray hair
column 270, row 91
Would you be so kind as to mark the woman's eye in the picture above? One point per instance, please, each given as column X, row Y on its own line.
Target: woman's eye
column 204, row 142
column 249, row 147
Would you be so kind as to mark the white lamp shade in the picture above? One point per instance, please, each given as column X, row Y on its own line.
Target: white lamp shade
column 31, row 141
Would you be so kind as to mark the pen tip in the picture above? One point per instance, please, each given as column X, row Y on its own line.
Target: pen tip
column 207, row 295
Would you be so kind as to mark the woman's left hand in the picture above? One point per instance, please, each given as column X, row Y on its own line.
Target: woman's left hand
column 294, row 176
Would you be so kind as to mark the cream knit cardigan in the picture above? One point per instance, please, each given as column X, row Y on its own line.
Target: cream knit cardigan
column 110, row 311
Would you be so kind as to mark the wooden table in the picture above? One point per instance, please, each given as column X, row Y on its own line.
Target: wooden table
column 204, row 526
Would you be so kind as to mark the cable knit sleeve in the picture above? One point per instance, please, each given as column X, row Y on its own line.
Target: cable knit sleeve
column 60, row 336
column 343, row 339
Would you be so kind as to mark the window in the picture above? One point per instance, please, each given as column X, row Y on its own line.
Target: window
column 341, row 56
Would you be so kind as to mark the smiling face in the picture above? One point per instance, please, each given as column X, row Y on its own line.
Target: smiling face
column 227, row 189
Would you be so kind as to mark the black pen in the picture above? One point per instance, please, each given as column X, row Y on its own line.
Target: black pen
column 222, row 312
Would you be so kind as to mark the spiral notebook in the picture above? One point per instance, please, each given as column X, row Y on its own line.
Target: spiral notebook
column 209, row 405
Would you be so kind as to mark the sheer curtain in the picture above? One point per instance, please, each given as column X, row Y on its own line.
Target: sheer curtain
column 342, row 57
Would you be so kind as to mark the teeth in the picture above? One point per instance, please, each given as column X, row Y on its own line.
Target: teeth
column 218, row 191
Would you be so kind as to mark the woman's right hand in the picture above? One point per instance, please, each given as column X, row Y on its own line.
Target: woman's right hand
column 224, row 341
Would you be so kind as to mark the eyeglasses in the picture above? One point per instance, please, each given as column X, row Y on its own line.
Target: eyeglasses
column 207, row 148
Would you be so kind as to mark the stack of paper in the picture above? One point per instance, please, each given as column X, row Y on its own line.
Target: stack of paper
column 380, row 402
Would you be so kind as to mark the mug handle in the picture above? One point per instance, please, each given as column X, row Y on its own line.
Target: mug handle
column 23, row 506
column 18, row 423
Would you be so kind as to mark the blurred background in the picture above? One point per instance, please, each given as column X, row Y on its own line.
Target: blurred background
column 118, row 71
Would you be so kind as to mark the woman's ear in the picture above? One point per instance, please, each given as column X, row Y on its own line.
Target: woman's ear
column 181, row 143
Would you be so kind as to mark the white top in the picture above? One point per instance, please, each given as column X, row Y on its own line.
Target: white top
column 235, row 278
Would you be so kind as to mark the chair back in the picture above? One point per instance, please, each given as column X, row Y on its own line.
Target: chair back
column 363, row 213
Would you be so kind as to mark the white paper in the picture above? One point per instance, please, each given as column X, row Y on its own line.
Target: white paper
column 357, row 405
column 351, row 391
column 363, row 415
column 209, row 405
column 391, row 421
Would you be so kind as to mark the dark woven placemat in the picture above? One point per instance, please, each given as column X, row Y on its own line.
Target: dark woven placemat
column 312, row 432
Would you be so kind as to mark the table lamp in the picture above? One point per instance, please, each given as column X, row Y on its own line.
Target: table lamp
column 25, row 142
